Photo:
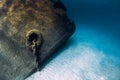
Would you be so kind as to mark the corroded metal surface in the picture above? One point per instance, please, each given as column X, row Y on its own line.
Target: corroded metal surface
column 25, row 22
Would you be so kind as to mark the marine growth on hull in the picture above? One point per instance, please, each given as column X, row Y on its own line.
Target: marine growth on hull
column 31, row 31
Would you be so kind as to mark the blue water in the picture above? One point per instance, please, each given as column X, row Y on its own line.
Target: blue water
column 93, row 52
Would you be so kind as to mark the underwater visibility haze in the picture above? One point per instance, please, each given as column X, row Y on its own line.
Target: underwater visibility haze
column 93, row 52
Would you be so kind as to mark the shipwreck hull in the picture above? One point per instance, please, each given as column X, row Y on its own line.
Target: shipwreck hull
column 22, row 22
